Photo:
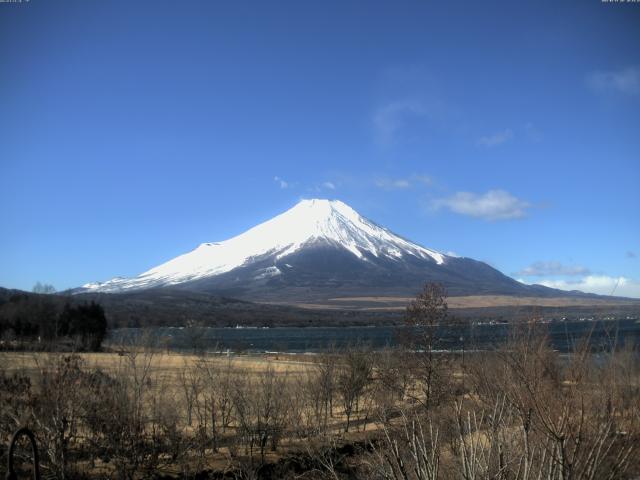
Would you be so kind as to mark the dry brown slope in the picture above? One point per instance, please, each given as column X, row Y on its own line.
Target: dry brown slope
column 470, row 301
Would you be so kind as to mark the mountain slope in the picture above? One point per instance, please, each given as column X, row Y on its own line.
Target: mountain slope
column 309, row 223
column 319, row 249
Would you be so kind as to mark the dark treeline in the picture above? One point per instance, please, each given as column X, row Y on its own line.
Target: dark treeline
column 43, row 321
column 171, row 307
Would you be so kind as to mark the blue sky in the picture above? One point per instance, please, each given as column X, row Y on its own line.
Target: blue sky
column 132, row 131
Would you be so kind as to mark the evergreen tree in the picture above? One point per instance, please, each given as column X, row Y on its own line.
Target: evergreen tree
column 88, row 323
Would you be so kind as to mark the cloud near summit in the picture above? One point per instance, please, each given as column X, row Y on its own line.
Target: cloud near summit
column 492, row 205
column 599, row 284
column 281, row 182
column 538, row 269
column 387, row 183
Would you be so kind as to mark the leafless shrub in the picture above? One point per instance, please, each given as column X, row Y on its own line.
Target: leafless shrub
column 567, row 415
column 326, row 369
column 325, row 459
column 15, row 403
column 190, row 381
column 393, row 378
column 217, row 383
column 260, row 407
column 407, row 451
column 353, row 376
column 57, row 409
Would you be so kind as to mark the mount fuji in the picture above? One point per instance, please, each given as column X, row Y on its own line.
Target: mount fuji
column 319, row 249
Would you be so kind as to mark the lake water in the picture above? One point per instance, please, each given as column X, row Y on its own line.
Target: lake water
column 563, row 335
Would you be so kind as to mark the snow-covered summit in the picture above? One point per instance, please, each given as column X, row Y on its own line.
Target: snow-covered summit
column 308, row 223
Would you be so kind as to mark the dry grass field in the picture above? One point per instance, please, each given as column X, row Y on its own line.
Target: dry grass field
column 142, row 412
column 270, row 387
column 169, row 363
column 390, row 303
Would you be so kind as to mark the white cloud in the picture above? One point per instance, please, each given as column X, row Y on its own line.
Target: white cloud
column 600, row 284
column 391, row 117
column 625, row 81
column 424, row 179
column 387, row 183
column 281, row 182
column 320, row 187
column 392, row 184
column 540, row 269
column 492, row 205
column 496, row 139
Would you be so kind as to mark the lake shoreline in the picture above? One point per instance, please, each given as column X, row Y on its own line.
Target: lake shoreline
column 563, row 335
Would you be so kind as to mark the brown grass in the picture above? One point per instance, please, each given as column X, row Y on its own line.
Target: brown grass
column 165, row 362
column 471, row 301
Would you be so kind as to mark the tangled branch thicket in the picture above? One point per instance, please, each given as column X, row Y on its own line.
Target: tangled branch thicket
column 526, row 413
column 520, row 412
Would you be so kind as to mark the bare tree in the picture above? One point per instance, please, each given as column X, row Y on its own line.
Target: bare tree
column 393, row 379
column 352, row 379
column 270, row 411
column 423, row 315
column 569, row 423
column 43, row 288
column 190, row 383
column 408, row 451
column 57, row 409
column 327, row 382
column 120, row 414
column 217, row 394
